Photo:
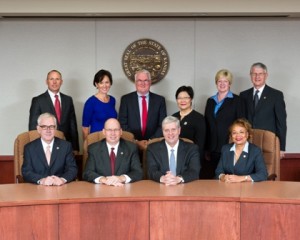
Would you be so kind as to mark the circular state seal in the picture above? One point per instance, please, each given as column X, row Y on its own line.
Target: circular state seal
column 146, row 54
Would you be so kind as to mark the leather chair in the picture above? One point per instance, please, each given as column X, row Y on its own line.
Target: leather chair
column 21, row 140
column 269, row 144
column 98, row 136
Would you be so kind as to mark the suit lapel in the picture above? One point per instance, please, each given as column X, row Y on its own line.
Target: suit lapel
column 180, row 157
column 120, row 156
column 41, row 153
column 163, row 152
column 263, row 98
column 103, row 157
column 135, row 105
column 55, row 151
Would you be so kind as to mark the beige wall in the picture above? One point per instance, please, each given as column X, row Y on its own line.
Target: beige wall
column 198, row 48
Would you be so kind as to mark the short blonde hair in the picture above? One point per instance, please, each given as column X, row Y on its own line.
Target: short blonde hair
column 224, row 73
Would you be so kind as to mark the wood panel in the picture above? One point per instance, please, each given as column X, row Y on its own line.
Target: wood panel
column 104, row 220
column 270, row 221
column 29, row 222
column 194, row 220
column 290, row 168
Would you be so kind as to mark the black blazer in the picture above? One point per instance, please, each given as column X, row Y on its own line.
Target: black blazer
column 130, row 120
column 127, row 161
column 68, row 125
column 217, row 127
column 269, row 114
column 188, row 161
column 251, row 163
column 62, row 162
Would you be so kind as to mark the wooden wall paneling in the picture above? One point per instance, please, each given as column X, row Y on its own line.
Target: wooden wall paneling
column 194, row 220
column 270, row 221
column 104, row 220
column 29, row 222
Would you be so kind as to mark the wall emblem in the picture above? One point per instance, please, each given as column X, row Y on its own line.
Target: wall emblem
column 146, row 54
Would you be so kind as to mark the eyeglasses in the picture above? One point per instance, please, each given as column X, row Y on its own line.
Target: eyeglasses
column 183, row 98
column 140, row 82
column 257, row 74
column 45, row 127
column 109, row 130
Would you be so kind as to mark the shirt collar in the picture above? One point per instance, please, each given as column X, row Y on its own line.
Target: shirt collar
column 229, row 95
column 246, row 147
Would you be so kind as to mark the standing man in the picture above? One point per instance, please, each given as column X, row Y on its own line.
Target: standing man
column 48, row 160
column 113, row 160
column 265, row 106
column 172, row 161
column 141, row 112
column 60, row 105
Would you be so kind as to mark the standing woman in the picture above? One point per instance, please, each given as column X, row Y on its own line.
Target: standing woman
column 192, row 123
column 221, row 111
column 99, row 107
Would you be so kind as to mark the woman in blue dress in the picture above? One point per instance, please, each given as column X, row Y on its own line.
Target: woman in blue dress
column 99, row 107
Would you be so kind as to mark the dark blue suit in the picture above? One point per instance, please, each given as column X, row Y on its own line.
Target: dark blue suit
column 188, row 161
column 130, row 120
column 127, row 161
column 251, row 163
column 62, row 163
column 269, row 114
column 68, row 124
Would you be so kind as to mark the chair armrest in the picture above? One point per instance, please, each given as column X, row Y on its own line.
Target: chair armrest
column 19, row 179
column 272, row 177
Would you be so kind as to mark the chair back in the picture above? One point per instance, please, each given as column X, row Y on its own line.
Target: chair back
column 98, row 136
column 269, row 144
column 21, row 140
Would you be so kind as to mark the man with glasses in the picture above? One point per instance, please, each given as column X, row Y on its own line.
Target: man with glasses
column 141, row 112
column 113, row 160
column 48, row 160
column 265, row 106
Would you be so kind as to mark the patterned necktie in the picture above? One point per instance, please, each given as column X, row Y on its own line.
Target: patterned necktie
column 48, row 154
column 57, row 108
column 112, row 161
column 255, row 99
column 144, row 115
column 172, row 163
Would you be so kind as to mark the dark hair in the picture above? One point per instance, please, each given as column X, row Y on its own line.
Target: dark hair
column 100, row 75
column 187, row 89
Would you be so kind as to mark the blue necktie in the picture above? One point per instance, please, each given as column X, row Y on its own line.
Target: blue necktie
column 172, row 163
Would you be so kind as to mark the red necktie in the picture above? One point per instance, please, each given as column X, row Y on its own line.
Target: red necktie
column 144, row 115
column 112, row 161
column 57, row 108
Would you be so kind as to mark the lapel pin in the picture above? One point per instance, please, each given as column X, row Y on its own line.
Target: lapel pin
column 244, row 156
column 185, row 123
column 121, row 153
column 57, row 148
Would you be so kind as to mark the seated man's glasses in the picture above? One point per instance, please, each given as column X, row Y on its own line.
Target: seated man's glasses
column 112, row 130
column 45, row 127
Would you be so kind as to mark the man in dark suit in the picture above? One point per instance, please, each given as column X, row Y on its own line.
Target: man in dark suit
column 173, row 161
column 46, row 103
column 266, row 108
column 131, row 110
column 48, row 160
column 113, row 160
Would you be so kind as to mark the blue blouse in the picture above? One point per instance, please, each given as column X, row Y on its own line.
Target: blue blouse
column 95, row 113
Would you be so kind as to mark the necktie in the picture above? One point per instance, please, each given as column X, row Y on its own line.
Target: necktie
column 144, row 115
column 172, row 163
column 48, row 154
column 57, row 108
column 255, row 99
column 112, row 161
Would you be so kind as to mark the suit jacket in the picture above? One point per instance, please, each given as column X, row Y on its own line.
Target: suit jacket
column 188, row 160
column 130, row 120
column 127, row 161
column 68, row 125
column 251, row 163
column 269, row 114
column 217, row 126
column 62, row 162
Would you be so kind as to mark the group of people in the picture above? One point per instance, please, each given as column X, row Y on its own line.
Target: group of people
column 220, row 148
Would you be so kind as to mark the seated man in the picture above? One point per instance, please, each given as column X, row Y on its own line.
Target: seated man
column 173, row 161
column 113, row 160
column 48, row 160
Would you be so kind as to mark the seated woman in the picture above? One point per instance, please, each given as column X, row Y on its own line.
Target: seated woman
column 240, row 160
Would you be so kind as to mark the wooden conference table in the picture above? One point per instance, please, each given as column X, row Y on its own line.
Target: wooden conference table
column 204, row 209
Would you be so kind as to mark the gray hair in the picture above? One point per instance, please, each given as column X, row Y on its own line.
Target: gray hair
column 46, row 115
column 171, row 119
column 259, row 65
column 142, row 71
